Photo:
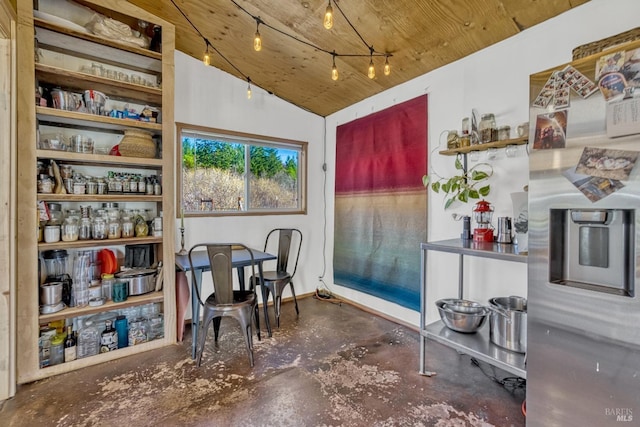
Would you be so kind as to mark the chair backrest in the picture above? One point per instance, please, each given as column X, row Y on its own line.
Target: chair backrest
column 286, row 237
column 221, row 263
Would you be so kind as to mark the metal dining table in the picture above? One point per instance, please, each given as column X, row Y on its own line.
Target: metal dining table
column 239, row 260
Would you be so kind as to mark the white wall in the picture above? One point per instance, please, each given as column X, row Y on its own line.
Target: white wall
column 495, row 80
column 206, row 96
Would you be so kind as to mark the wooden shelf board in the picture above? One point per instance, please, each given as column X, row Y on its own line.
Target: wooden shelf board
column 73, row 118
column 112, row 88
column 41, row 373
column 98, row 198
column 484, row 147
column 70, row 312
column 96, row 39
column 105, row 242
column 99, row 159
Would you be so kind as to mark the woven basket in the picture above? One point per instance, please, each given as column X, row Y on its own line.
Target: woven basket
column 137, row 143
column 596, row 47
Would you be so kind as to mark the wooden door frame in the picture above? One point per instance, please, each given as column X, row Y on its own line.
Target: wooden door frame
column 7, row 199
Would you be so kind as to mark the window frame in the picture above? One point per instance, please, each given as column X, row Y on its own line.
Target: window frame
column 247, row 139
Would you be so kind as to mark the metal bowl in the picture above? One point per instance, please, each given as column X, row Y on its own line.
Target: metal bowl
column 464, row 306
column 461, row 321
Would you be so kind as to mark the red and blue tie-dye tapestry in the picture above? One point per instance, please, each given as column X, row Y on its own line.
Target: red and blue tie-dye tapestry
column 380, row 202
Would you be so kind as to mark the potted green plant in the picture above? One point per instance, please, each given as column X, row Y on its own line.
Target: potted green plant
column 468, row 184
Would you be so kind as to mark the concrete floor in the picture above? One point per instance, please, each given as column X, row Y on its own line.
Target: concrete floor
column 334, row 365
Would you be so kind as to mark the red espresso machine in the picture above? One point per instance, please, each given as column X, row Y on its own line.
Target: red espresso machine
column 482, row 214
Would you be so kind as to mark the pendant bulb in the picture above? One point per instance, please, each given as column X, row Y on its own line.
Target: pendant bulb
column 328, row 17
column 257, row 40
column 334, row 73
column 387, row 66
column 206, row 59
column 372, row 70
column 248, row 88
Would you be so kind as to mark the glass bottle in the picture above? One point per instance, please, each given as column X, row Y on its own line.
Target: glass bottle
column 487, row 128
column 70, row 348
column 109, row 338
column 121, row 329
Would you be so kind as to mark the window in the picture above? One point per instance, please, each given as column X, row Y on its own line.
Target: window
column 212, row 178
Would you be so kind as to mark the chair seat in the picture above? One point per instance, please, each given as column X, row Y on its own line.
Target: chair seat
column 239, row 297
column 275, row 276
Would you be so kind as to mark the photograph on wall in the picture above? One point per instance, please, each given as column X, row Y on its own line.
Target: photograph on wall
column 631, row 68
column 550, row 130
column 380, row 202
column 593, row 187
column 607, row 163
column 611, row 63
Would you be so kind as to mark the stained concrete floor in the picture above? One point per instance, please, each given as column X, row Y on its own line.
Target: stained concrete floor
column 334, row 365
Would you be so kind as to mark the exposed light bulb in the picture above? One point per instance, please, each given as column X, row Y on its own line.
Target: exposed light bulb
column 387, row 66
column 334, row 69
column 328, row 17
column 207, row 57
column 372, row 71
column 257, row 42
column 248, row 88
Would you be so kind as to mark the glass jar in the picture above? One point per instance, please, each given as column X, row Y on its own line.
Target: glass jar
column 45, row 185
column 155, row 328
column 101, row 186
column 70, row 230
column 88, row 342
column 56, row 350
column 504, row 133
column 79, row 187
column 66, row 171
column 92, row 187
column 127, row 227
column 51, row 233
column 487, row 127
column 113, row 229
column 137, row 331
column 107, row 285
column 84, row 229
column 99, row 230
column 55, row 214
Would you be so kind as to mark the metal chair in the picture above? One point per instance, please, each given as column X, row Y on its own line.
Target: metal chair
column 275, row 281
column 224, row 301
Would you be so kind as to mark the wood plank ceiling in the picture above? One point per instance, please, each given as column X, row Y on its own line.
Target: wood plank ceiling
column 421, row 35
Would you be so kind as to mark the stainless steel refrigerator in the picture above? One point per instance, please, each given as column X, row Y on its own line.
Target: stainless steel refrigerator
column 583, row 359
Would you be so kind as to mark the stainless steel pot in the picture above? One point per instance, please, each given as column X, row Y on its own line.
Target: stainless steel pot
column 51, row 293
column 141, row 280
column 508, row 323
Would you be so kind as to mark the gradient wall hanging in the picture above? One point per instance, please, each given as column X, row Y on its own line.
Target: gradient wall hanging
column 381, row 205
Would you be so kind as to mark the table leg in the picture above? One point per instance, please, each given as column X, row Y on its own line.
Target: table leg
column 241, row 277
column 182, row 299
column 195, row 311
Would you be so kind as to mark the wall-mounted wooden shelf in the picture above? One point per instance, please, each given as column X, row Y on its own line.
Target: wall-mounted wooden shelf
column 484, row 147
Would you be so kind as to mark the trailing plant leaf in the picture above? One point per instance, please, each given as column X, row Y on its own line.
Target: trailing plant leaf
column 463, row 186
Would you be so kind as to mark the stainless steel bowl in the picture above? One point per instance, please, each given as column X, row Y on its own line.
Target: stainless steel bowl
column 464, row 306
column 461, row 321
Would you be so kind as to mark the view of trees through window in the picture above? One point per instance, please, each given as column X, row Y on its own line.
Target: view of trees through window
column 214, row 178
